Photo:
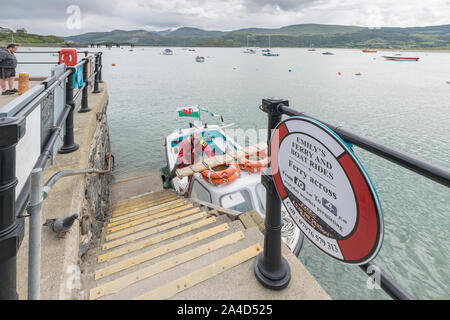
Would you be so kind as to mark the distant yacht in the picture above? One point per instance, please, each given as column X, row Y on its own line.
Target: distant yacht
column 328, row 53
column 399, row 58
column 250, row 51
column 200, row 59
column 168, row 52
column 312, row 49
column 268, row 53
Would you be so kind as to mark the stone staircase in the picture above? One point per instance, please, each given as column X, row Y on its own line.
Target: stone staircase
column 160, row 245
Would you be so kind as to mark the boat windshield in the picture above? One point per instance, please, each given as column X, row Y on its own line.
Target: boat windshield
column 215, row 139
column 240, row 201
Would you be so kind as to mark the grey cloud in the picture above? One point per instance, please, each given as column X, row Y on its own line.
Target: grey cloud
column 284, row 5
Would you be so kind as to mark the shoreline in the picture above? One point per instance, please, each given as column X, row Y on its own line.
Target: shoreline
column 62, row 45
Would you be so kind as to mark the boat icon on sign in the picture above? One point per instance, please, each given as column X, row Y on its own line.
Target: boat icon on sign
column 329, row 206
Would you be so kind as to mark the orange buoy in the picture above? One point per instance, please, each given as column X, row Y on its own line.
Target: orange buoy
column 254, row 166
column 340, row 73
column 113, row 64
column 24, row 82
column 69, row 57
column 224, row 176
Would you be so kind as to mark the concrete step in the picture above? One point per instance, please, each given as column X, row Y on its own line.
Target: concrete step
column 125, row 189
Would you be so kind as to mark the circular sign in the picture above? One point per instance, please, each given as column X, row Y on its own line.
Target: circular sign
column 326, row 190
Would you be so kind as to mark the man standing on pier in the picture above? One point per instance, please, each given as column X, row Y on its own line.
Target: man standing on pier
column 8, row 64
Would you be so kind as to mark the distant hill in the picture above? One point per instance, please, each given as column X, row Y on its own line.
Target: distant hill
column 302, row 35
column 7, row 35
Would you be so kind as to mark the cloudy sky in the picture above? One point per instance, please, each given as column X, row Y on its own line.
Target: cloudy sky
column 61, row 17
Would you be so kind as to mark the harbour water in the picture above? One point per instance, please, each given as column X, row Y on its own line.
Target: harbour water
column 400, row 104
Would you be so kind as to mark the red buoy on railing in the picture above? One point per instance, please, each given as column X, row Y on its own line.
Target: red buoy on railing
column 69, row 57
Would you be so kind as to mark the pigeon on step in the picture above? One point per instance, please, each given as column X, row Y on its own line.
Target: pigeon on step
column 61, row 225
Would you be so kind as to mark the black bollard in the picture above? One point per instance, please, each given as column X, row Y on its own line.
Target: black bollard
column 100, row 68
column 84, row 98
column 271, row 269
column 69, row 140
column 11, row 235
column 97, row 74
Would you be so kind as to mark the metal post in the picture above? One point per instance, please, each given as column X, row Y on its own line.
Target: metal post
column 271, row 269
column 96, row 88
column 100, row 67
column 34, row 255
column 84, row 98
column 69, row 141
column 11, row 131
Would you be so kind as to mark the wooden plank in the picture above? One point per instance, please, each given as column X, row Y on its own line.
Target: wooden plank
column 151, row 224
column 143, row 197
column 143, row 219
column 146, row 212
column 151, row 254
column 142, row 206
column 148, row 242
column 232, row 214
column 247, row 221
column 171, row 289
column 138, row 200
column 144, row 273
column 220, row 160
column 158, row 208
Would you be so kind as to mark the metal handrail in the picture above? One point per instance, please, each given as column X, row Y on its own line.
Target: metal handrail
column 438, row 174
column 13, row 127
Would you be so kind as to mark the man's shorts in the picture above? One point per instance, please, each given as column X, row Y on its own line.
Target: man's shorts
column 6, row 73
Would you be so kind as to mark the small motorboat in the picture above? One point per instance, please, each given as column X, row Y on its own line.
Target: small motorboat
column 200, row 59
column 312, row 49
column 249, row 51
column 167, row 52
column 241, row 192
column 369, row 51
column 400, row 58
column 269, row 53
column 328, row 53
column 265, row 50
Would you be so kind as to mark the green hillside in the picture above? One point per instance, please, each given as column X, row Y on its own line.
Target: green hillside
column 302, row 35
column 29, row 39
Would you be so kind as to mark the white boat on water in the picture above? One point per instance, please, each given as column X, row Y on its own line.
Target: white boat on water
column 200, row 59
column 167, row 52
column 244, row 194
column 268, row 52
column 249, row 51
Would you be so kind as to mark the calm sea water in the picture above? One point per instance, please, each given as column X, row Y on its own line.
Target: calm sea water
column 404, row 105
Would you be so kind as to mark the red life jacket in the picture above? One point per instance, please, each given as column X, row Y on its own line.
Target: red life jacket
column 189, row 154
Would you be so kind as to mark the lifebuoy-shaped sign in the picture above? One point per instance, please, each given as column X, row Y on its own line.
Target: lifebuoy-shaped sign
column 326, row 190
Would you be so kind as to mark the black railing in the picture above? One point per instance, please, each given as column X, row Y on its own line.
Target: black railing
column 270, row 268
column 12, row 130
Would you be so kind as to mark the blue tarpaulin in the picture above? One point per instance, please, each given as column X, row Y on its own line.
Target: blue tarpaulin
column 78, row 78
